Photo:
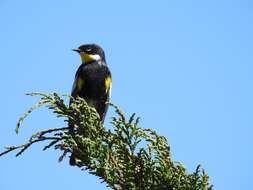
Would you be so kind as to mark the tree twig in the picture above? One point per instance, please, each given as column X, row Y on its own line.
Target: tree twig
column 23, row 147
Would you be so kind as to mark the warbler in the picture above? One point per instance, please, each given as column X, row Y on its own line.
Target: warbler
column 93, row 80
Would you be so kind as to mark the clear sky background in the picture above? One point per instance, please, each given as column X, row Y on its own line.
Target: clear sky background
column 184, row 66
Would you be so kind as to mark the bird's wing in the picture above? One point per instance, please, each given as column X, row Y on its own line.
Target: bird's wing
column 108, row 85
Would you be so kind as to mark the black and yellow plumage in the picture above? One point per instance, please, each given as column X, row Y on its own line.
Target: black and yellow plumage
column 92, row 80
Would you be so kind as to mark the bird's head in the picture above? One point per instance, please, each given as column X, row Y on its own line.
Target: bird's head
column 90, row 53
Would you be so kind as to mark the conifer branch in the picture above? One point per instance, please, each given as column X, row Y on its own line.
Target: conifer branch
column 127, row 157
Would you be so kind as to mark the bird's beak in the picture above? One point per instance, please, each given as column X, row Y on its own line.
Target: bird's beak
column 76, row 50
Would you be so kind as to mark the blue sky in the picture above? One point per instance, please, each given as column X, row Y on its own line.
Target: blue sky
column 184, row 66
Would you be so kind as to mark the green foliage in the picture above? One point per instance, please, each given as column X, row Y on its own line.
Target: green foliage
column 125, row 157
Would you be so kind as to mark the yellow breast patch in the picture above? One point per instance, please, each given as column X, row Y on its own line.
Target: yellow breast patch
column 85, row 57
column 108, row 82
column 79, row 83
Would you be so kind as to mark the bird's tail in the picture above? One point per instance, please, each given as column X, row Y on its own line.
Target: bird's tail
column 72, row 160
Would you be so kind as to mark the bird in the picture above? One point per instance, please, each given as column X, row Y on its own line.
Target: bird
column 93, row 81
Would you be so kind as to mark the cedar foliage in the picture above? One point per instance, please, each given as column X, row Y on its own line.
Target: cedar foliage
column 125, row 157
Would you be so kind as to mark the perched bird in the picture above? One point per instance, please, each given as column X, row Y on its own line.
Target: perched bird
column 92, row 80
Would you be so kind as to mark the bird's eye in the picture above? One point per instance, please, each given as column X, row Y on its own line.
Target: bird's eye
column 88, row 50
